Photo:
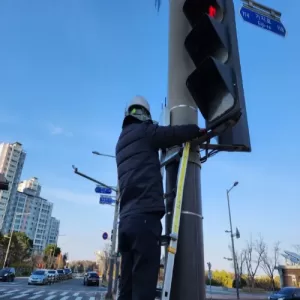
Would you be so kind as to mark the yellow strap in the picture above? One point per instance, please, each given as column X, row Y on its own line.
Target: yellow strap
column 180, row 187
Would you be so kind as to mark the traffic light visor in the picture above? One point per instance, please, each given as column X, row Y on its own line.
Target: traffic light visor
column 208, row 38
column 211, row 86
column 193, row 9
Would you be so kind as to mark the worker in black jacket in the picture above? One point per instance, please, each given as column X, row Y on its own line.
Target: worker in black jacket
column 141, row 194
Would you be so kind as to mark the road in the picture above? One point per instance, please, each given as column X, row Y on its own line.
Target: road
column 220, row 293
column 72, row 289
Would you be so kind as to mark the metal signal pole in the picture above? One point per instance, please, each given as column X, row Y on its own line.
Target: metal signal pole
column 189, row 270
column 113, row 253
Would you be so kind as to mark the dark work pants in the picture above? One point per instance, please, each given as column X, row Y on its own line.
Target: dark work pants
column 139, row 244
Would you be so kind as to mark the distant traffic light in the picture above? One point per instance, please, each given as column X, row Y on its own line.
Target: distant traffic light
column 216, row 84
column 112, row 232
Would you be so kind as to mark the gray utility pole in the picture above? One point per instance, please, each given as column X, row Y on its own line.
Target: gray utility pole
column 189, row 270
column 115, row 227
column 112, row 288
column 116, row 282
column 236, row 276
column 113, row 253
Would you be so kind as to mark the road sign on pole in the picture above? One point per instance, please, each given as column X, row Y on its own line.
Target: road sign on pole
column 103, row 190
column 107, row 200
column 105, row 235
column 253, row 16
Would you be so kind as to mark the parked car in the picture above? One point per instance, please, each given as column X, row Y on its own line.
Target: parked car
column 68, row 273
column 61, row 274
column 39, row 276
column 53, row 275
column 286, row 293
column 7, row 274
column 91, row 278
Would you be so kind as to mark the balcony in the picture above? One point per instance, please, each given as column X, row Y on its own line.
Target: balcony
column 4, row 184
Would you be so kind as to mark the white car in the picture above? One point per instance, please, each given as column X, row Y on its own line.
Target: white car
column 38, row 277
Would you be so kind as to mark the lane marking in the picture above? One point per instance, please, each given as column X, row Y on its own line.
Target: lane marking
column 10, row 292
column 35, row 297
column 19, row 296
column 50, row 297
column 39, row 292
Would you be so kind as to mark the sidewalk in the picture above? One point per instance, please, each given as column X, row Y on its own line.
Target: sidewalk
column 233, row 297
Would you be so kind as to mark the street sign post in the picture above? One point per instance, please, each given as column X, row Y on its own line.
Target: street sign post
column 253, row 16
column 209, row 275
column 103, row 190
column 107, row 200
column 105, row 235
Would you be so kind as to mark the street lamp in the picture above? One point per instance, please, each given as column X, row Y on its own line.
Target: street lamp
column 113, row 253
column 232, row 241
column 11, row 234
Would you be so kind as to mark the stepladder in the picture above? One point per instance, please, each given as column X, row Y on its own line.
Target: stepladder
column 170, row 241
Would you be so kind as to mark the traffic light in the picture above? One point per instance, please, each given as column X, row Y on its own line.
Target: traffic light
column 216, row 83
column 112, row 232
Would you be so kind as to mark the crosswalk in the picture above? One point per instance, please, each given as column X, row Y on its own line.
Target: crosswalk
column 32, row 294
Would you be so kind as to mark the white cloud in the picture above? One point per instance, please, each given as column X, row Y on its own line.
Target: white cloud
column 57, row 130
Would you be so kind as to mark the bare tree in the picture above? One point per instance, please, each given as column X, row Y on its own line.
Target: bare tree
column 241, row 262
column 269, row 262
column 240, row 258
column 105, row 259
column 253, row 258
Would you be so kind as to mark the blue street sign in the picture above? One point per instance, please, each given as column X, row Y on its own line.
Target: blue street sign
column 262, row 21
column 103, row 190
column 105, row 235
column 107, row 200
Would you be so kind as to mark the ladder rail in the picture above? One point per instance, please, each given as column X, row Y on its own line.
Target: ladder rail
column 172, row 249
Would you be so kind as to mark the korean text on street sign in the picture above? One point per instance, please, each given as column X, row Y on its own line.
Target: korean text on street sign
column 107, row 200
column 105, row 235
column 103, row 190
column 260, row 20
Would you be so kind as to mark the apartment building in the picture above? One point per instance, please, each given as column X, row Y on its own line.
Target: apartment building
column 12, row 157
column 32, row 185
column 53, row 231
column 33, row 214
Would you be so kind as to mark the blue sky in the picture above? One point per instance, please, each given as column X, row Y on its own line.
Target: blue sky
column 67, row 70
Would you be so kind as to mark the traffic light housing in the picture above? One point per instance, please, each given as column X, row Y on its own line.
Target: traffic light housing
column 112, row 232
column 216, row 83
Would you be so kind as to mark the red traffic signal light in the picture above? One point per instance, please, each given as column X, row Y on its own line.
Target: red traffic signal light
column 212, row 11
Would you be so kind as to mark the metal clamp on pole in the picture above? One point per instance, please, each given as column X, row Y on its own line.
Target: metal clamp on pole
column 263, row 9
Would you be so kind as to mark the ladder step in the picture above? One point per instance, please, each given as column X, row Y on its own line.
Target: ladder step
column 172, row 157
column 158, row 293
column 164, row 240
